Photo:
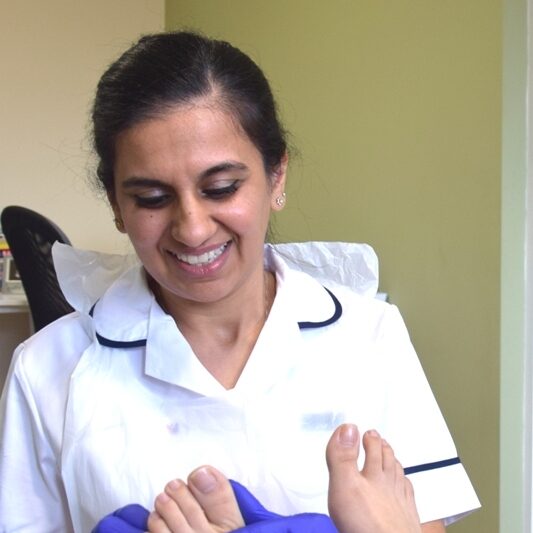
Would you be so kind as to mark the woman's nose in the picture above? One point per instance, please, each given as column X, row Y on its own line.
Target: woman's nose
column 192, row 224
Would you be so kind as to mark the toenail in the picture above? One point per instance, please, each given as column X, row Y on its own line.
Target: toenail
column 373, row 433
column 348, row 435
column 174, row 485
column 203, row 480
column 163, row 498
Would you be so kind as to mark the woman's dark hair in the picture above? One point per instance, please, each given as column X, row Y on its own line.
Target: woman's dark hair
column 163, row 70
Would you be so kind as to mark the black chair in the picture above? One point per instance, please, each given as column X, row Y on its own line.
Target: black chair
column 30, row 237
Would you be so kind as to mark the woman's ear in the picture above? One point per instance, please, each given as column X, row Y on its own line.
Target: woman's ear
column 279, row 177
column 119, row 223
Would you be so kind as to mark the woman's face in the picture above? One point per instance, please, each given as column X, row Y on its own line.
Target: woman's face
column 192, row 192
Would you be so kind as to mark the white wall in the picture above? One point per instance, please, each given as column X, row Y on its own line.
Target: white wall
column 516, row 284
column 527, row 377
column 51, row 56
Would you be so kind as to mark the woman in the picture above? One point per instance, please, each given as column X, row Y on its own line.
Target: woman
column 213, row 351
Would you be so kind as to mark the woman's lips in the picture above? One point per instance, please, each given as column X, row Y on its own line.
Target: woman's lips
column 203, row 259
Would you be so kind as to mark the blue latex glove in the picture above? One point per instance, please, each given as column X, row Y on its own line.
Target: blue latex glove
column 133, row 518
column 129, row 519
column 259, row 520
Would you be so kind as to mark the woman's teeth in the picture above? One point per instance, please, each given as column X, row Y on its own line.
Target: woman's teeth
column 202, row 259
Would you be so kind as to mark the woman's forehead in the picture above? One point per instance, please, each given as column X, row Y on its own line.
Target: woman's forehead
column 185, row 135
column 194, row 121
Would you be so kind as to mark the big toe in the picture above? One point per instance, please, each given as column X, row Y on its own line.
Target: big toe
column 213, row 492
column 342, row 450
column 341, row 456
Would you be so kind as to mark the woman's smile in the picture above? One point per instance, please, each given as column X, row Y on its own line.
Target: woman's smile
column 204, row 258
column 202, row 264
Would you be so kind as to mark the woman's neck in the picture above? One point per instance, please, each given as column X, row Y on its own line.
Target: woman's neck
column 222, row 334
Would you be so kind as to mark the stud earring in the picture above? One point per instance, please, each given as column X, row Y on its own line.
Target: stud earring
column 119, row 224
column 280, row 200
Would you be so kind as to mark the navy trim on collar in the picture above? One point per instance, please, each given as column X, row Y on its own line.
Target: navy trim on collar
column 336, row 315
column 119, row 344
column 142, row 342
column 431, row 466
column 109, row 343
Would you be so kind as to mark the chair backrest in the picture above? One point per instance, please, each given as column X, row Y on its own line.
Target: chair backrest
column 30, row 237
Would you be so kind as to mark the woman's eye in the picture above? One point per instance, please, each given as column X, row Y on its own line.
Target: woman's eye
column 218, row 193
column 153, row 201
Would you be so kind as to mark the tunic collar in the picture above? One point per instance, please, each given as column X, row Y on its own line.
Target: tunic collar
column 123, row 315
column 128, row 316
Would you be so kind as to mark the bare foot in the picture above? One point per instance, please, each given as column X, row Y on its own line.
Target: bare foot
column 206, row 504
column 377, row 499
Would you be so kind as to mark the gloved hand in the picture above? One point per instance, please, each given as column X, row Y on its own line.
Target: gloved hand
column 259, row 520
column 133, row 518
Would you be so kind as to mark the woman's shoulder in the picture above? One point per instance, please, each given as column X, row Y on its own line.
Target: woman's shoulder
column 320, row 303
column 353, row 265
column 321, row 274
column 36, row 391
column 364, row 310
column 54, row 350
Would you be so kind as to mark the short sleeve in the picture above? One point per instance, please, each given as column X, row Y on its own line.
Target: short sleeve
column 31, row 494
column 417, row 431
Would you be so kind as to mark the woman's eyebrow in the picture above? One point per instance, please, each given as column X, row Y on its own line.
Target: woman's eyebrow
column 222, row 167
column 135, row 181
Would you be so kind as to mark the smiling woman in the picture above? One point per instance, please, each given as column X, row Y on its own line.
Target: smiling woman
column 212, row 349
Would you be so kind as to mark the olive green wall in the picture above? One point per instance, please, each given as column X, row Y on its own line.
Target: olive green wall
column 394, row 108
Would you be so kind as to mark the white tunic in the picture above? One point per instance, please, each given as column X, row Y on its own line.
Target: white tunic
column 101, row 411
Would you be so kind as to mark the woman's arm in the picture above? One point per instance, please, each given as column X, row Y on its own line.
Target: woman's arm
column 31, row 493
